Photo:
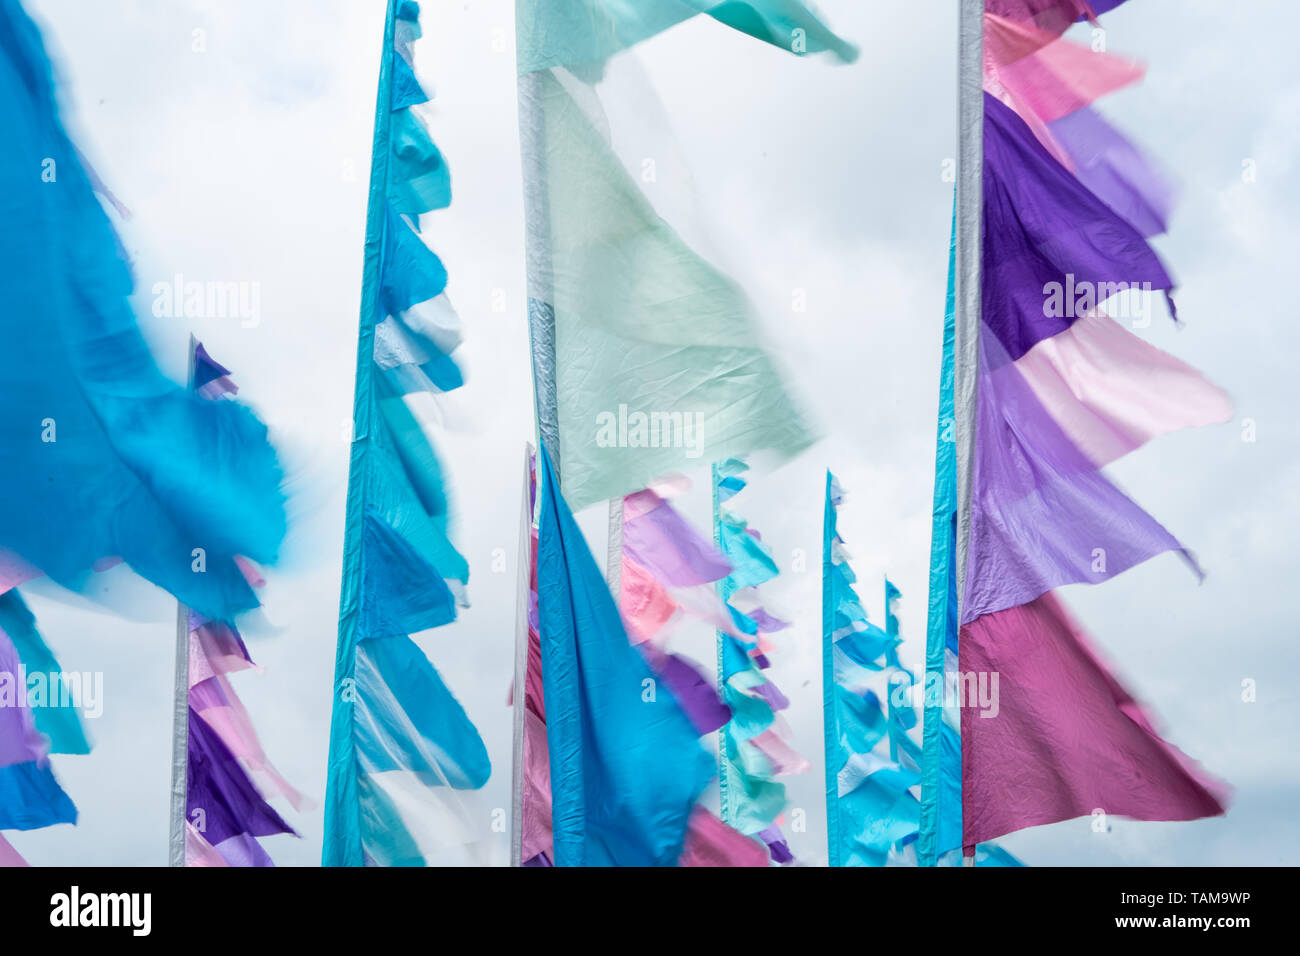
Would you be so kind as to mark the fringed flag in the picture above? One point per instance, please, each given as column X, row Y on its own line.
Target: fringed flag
column 872, row 810
column 669, row 574
column 1040, row 389
column 755, row 744
column 228, row 777
column 401, row 745
column 872, row 813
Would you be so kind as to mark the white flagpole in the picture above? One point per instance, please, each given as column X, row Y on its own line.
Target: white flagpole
column 181, row 708
column 970, row 217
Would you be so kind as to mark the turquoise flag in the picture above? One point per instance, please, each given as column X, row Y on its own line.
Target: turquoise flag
column 626, row 763
column 401, row 745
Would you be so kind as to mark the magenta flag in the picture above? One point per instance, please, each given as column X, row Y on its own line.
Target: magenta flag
column 9, row 856
column 1061, row 737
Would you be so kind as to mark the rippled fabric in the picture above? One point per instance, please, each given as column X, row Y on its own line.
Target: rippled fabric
column 1117, row 172
column 199, row 852
column 1111, row 391
column 695, row 692
column 1043, row 226
column 1044, row 78
column 625, row 769
column 30, row 797
column 644, row 601
column 1053, row 15
column 221, row 801
column 1051, row 84
column 656, row 350
column 1060, row 391
column 1071, row 739
column 1028, row 477
column 216, row 650
column 710, row 842
column 656, row 537
column 870, row 807
column 755, row 745
column 403, row 752
column 582, row 34
column 58, row 718
column 108, row 456
column 415, row 747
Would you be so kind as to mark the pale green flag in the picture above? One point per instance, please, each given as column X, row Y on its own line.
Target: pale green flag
column 657, row 363
column 582, row 34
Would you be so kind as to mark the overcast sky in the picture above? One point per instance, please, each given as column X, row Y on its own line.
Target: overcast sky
column 242, row 150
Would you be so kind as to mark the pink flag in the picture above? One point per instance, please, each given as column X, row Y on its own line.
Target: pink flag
column 1057, row 737
column 8, row 855
column 1112, row 392
column 198, row 851
column 710, row 842
column 1044, row 78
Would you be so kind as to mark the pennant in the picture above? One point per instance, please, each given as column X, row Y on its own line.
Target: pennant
column 1023, row 766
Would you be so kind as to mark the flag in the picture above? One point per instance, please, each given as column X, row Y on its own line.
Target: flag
column 108, row 458
column 403, row 751
column 1021, row 503
column 625, row 764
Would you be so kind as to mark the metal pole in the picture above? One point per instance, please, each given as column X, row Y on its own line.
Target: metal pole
column 181, row 707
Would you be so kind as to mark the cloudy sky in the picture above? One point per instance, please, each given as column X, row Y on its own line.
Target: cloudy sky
column 238, row 133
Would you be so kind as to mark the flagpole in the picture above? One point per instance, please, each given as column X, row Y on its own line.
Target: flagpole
column 724, row 591
column 970, row 218
column 342, row 845
column 830, row 728
column 970, row 215
column 614, row 548
column 523, row 575
column 541, row 340
column 181, row 705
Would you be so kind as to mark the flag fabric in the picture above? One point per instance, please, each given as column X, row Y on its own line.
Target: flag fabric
column 658, row 546
column 871, row 811
column 30, row 797
column 57, row 716
column 110, row 459
column 754, row 747
column 403, row 752
column 580, row 35
column 229, row 778
column 8, row 855
column 645, row 352
column 1059, row 391
column 625, row 764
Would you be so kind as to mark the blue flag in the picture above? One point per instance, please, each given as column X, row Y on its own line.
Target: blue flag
column 626, row 763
